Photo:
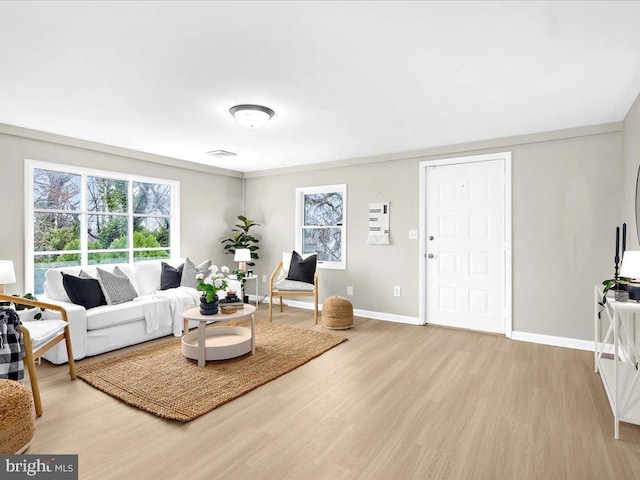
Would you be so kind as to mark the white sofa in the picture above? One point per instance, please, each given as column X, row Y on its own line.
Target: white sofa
column 155, row 313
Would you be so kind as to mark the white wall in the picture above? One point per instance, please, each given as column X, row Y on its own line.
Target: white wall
column 208, row 206
column 566, row 202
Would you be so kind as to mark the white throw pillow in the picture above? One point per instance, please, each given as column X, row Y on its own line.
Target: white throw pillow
column 148, row 274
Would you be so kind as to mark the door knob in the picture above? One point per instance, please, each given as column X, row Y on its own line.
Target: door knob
column 430, row 255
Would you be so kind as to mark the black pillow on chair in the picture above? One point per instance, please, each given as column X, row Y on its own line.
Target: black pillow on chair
column 170, row 277
column 83, row 291
column 302, row 270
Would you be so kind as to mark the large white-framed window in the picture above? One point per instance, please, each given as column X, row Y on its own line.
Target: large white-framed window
column 321, row 216
column 82, row 216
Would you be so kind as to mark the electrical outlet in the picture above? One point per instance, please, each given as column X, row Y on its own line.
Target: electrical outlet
column 413, row 234
column 350, row 291
column 396, row 291
column 264, row 278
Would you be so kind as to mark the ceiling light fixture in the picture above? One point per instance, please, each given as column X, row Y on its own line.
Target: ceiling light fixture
column 251, row 116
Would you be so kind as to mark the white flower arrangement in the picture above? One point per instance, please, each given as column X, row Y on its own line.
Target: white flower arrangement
column 212, row 283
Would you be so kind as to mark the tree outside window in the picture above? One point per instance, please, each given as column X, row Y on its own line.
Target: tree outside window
column 118, row 220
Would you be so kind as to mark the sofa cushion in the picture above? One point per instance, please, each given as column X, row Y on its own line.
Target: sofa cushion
column 111, row 315
column 117, row 289
column 293, row 285
column 190, row 271
column 41, row 331
column 302, row 269
column 53, row 287
column 82, row 290
column 130, row 272
column 170, row 277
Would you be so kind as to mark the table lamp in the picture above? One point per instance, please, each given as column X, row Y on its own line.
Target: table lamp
column 7, row 274
column 631, row 269
column 243, row 255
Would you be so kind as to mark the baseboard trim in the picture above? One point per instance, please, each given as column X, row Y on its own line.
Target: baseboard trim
column 387, row 317
column 566, row 342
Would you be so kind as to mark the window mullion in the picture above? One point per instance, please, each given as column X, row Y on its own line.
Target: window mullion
column 84, row 221
column 130, row 219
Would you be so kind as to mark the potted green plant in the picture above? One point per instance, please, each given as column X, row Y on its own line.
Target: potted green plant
column 616, row 284
column 242, row 238
column 20, row 307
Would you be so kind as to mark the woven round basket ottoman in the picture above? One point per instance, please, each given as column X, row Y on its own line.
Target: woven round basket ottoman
column 337, row 313
column 17, row 417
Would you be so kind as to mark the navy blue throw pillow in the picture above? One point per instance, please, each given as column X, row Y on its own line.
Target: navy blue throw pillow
column 170, row 276
column 83, row 291
column 302, row 270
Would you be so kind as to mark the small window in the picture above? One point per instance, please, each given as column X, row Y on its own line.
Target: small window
column 321, row 214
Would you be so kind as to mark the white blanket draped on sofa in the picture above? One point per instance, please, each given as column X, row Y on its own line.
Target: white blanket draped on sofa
column 179, row 299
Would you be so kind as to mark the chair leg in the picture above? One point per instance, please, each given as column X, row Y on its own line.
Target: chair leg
column 281, row 310
column 72, row 363
column 270, row 307
column 33, row 376
column 315, row 311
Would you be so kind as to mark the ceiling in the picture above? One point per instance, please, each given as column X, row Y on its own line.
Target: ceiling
column 346, row 79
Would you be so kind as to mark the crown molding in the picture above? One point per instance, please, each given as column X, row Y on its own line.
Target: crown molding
column 456, row 149
column 113, row 150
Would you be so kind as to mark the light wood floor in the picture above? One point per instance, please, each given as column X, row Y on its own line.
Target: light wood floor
column 393, row 402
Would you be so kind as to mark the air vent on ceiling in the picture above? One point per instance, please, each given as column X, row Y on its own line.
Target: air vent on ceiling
column 221, row 153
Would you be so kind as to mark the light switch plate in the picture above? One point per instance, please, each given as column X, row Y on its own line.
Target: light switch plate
column 350, row 290
column 413, row 234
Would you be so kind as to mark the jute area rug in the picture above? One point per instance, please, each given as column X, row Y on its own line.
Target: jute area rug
column 161, row 381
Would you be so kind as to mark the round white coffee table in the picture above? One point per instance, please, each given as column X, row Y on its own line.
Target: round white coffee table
column 218, row 343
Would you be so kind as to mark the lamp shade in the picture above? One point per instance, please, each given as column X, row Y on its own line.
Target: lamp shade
column 244, row 255
column 251, row 116
column 7, row 273
column 630, row 264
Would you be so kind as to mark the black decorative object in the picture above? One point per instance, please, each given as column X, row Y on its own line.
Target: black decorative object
column 230, row 298
column 208, row 308
column 302, row 270
column 616, row 258
column 170, row 277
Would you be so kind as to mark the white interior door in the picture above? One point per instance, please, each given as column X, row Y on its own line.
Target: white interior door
column 466, row 245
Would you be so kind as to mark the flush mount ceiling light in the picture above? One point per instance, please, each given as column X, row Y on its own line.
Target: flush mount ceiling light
column 251, row 116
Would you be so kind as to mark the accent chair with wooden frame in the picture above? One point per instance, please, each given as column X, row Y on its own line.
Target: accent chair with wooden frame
column 274, row 292
column 54, row 331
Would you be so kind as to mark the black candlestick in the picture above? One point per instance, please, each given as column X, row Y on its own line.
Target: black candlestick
column 616, row 258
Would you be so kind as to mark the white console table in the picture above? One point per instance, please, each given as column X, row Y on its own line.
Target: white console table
column 616, row 358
